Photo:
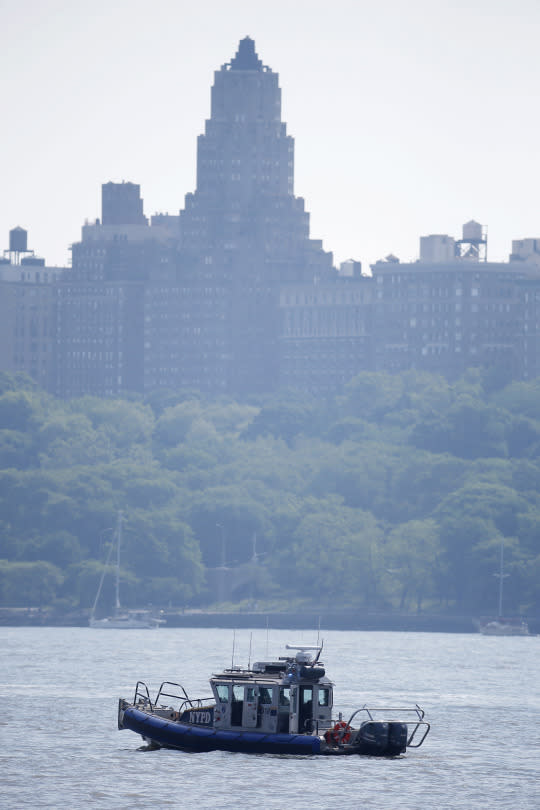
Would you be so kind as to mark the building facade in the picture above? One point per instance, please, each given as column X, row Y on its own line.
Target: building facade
column 232, row 295
column 453, row 310
column 243, row 233
column 28, row 339
column 101, row 301
column 326, row 333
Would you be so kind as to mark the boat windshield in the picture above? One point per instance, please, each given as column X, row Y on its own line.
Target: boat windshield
column 265, row 694
column 285, row 696
column 223, row 692
column 324, row 696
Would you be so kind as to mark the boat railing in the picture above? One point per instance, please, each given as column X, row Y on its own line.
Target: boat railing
column 176, row 691
column 413, row 726
column 179, row 693
column 142, row 695
column 316, row 727
column 195, row 703
column 168, row 689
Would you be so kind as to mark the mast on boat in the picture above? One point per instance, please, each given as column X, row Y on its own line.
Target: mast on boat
column 117, row 572
column 118, row 544
column 501, row 575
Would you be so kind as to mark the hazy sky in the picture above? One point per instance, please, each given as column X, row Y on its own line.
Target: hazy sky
column 409, row 117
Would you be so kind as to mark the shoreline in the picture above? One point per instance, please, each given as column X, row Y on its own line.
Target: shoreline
column 293, row 620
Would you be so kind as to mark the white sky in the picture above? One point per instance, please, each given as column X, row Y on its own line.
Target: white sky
column 410, row 117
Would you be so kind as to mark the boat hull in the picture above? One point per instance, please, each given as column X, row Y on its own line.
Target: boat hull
column 123, row 624
column 374, row 738
column 173, row 734
column 503, row 627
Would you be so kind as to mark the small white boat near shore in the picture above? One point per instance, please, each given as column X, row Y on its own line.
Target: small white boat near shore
column 122, row 619
column 500, row 626
column 128, row 620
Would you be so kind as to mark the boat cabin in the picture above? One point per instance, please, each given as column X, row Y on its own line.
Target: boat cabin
column 288, row 696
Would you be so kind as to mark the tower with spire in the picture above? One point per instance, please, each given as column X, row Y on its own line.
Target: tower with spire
column 243, row 232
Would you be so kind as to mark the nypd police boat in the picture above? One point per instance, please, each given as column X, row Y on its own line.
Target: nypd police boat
column 273, row 707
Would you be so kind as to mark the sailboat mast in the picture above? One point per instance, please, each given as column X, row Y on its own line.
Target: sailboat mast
column 118, row 544
column 501, row 577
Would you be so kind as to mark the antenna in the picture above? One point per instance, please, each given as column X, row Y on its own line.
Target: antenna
column 249, row 658
column 316, row 661
column 233, row 642
column 267, row 636
column 118, row 544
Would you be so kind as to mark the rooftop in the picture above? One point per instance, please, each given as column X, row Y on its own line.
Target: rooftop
column 246, row 57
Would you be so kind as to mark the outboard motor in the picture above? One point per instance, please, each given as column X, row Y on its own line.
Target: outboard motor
column 382, row 739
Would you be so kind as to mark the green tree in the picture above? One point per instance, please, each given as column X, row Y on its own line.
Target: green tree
column 467, row 430
column 174, row 424
column 282, row 421
column 520, row 399
column 29, row 584
column 413, row 556
column 371, row 396
column 523, row 437
column 18, row 410
column 461, row 534
column 16, row 449
column 333, row 551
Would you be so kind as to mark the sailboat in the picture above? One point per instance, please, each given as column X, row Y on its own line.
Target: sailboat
column 499, row 625
column 122, row 619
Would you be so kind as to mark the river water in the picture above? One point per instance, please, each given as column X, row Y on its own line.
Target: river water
column 60, row 747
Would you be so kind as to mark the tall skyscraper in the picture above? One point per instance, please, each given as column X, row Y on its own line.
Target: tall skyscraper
column 243, row 233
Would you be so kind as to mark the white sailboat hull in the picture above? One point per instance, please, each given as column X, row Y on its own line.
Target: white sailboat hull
column 502, row 627
column 125, row 623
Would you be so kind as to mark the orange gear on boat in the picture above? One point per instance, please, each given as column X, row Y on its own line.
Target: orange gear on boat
column 341, row 733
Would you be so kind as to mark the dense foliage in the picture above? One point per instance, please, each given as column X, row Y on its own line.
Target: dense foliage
column 399, row 493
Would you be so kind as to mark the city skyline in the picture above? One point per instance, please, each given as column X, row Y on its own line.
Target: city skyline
column 405, row 123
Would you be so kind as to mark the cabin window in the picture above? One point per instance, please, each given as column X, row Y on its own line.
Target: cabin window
column 324, row 696
column 265, row 694
column 285, row 696
column 237, row 693
column 307, row 695
column 250, row 694
column 222, row 692
column 284, row 709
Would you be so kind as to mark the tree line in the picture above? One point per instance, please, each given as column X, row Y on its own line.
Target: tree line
column 396, row 494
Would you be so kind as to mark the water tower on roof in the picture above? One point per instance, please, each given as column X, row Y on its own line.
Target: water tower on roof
column 473, row 245
column 18, row 245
